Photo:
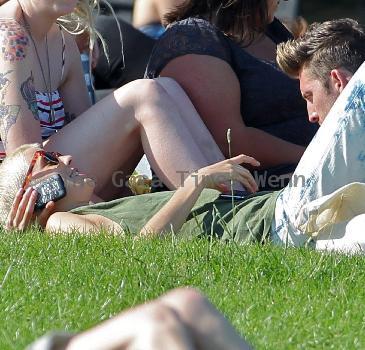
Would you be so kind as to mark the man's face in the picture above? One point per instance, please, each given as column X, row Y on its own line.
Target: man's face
column 319, row 98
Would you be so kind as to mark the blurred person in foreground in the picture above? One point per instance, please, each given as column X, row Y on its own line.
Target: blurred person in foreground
column 182, row 319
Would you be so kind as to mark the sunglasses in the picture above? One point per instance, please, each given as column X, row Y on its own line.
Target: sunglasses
column 51, row 158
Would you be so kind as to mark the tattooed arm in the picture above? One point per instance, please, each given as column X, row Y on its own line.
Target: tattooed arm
column 19, row 122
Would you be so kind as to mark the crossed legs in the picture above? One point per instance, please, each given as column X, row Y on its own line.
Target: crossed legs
column 140, row 117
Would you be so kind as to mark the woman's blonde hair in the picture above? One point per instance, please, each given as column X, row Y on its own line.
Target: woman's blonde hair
column 82, row 20
column 12, row 174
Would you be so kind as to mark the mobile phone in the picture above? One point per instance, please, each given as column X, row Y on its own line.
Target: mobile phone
column 49, row 189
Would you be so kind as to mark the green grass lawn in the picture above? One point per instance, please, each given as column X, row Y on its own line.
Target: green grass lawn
column 279, row 299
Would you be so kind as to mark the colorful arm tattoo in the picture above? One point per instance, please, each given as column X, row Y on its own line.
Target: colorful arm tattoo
column 13, row 40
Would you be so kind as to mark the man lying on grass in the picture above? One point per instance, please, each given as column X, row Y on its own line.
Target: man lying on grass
column 313, row 208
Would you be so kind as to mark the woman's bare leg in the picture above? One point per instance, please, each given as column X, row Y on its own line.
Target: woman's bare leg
column 192, row 120
column 110, row 136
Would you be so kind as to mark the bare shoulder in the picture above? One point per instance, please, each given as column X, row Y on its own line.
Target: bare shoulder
column 14, row 40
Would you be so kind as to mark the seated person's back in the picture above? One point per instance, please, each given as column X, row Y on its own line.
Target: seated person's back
column 270, row 100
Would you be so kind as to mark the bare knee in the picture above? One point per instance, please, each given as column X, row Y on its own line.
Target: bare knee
column 138, row 90
column 188, row 302
column 143, row 97
column 161, row 314
column 147, row 90
column 164, row 326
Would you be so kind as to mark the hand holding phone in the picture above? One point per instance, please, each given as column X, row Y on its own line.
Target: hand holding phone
column 22, row 210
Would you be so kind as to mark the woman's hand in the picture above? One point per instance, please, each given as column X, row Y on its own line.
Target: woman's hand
column 21, row 214
column 216, row 176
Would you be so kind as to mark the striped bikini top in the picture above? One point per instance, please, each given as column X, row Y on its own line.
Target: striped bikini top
column 51, row 123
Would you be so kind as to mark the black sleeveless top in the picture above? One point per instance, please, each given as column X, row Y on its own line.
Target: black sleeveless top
column 271, row 101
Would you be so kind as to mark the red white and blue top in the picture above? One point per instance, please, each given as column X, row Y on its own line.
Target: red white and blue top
column 52, row 122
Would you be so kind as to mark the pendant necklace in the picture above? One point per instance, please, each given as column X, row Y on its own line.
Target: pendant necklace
column 49, row 85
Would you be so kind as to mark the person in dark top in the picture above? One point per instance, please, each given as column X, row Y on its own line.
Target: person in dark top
column 126, row 59
column 223, row 54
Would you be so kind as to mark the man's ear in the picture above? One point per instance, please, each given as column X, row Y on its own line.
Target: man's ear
column 339, row 79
